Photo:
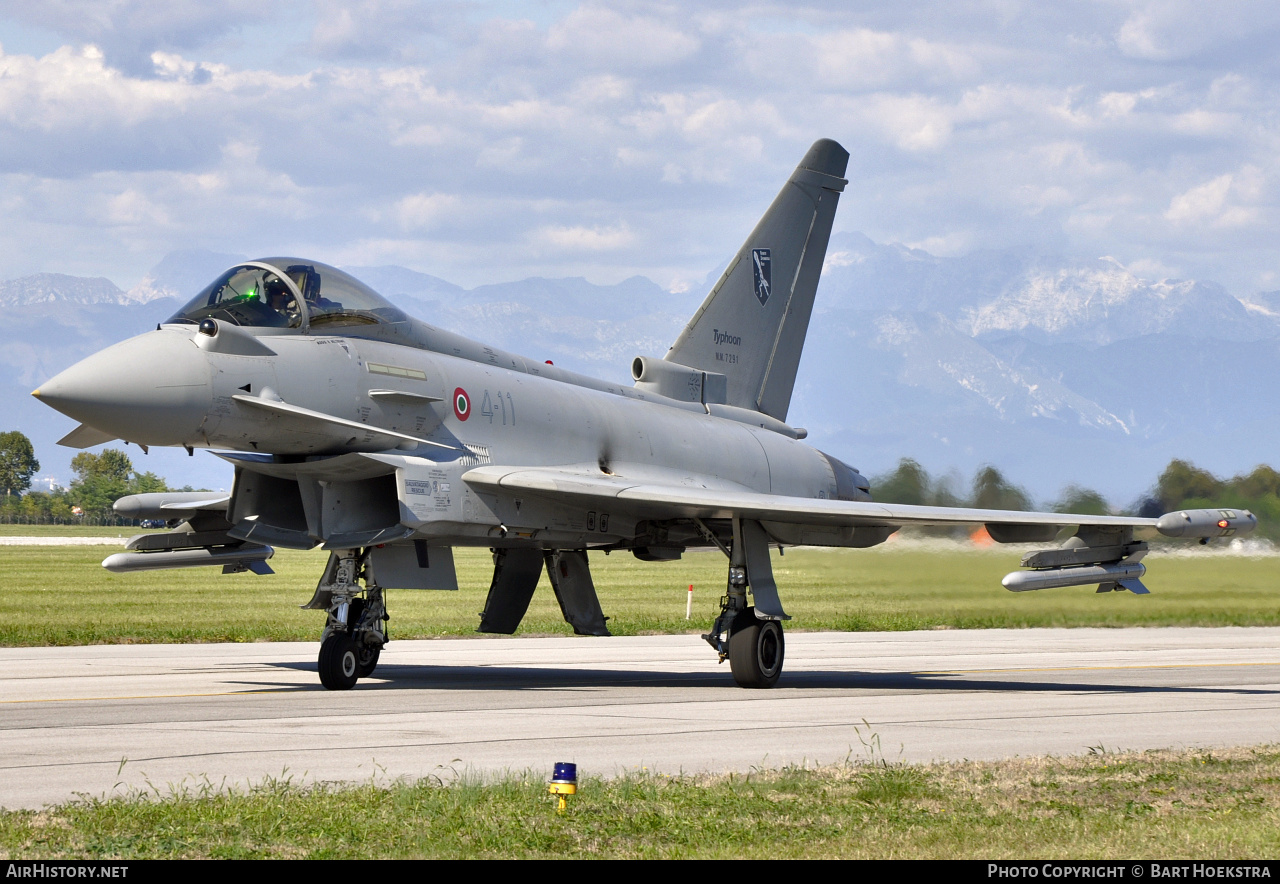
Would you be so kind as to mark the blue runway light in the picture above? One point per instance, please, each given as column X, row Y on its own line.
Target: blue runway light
column 564, row 782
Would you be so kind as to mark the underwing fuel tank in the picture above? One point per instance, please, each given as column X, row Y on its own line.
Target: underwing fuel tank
column 250, row 557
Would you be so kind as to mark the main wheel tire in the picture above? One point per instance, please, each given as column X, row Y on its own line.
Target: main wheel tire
column 756, row 651
column 339, row 663
column 367, row 661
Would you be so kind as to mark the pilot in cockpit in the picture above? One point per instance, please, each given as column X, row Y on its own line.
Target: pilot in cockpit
column 286, row 293
column 281, row 300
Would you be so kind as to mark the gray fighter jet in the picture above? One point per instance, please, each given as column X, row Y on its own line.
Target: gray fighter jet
column 390, row 442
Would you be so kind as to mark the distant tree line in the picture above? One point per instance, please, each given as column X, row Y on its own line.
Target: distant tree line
column 99, row 481
column 1182, row 485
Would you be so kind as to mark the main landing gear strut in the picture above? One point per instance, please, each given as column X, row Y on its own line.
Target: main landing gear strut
column 356, row 625
column 750, row 636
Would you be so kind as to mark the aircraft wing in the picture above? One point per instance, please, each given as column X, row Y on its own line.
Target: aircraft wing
column 670, row 499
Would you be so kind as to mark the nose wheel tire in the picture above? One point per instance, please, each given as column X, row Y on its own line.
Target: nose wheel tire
column 756, row 650
column 366, row 661
column 339, row 662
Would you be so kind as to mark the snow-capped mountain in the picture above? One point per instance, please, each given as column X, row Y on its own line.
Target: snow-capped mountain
column 181, row 275
column 993, row 294
column 58, row 288
column 1264, row 303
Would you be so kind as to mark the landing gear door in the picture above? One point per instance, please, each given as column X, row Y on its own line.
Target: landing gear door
column 413, row 566
column 760, row 573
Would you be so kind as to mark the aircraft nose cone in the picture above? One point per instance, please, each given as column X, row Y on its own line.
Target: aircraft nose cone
column 153, row 389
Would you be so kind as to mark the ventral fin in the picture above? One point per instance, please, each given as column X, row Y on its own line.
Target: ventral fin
column 85, row 436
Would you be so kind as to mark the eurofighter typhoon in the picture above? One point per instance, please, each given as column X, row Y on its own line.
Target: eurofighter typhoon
column 389, row 442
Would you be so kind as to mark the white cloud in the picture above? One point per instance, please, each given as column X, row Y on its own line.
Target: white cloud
column 131, row 30
column 1202, row 203
column 1170, row 30
column 602, row 89
column 585, row 239
column 135, row 209
column 500, row 154
column 1205, row 122
column 1117, row 104
column 863, row 58
column 425, row 210
column 600, row 35
column 422, row 135
column 1152, row 269
column 1137, row 37
column 841, row 258
column 956, row 242
column 339, row 128
column 857, row 59
column 912, row 122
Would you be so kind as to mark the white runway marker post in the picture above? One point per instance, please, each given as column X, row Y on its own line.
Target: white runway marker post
column 688, row 605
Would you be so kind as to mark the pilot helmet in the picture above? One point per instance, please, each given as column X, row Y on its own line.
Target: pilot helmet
column 275, row 288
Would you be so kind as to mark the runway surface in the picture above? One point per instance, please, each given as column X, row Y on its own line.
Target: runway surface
column 100, row 720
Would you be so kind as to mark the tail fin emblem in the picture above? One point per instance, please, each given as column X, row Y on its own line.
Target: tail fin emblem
column 761, row 262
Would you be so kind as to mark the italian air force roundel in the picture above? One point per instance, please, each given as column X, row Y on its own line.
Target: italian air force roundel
column 461, row 404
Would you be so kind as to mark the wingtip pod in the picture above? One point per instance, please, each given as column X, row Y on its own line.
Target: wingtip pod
column 243, row 558
column 1206, row 523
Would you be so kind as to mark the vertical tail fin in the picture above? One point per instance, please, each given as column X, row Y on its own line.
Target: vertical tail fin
column 751, row 328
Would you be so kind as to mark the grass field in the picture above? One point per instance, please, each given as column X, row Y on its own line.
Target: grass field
column 61, row 595
column 1159, row 804
column 1166, row 805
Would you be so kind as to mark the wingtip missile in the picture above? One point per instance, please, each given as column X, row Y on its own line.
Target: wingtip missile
column 1052, row 578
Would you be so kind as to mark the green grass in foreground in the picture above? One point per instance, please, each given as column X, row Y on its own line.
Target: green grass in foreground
column 61, row 595
column 1220, row 805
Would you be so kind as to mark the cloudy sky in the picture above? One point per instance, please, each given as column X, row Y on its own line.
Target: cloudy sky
column 489, row 141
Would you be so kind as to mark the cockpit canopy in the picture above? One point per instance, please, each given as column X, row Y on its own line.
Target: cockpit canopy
column 288, row 293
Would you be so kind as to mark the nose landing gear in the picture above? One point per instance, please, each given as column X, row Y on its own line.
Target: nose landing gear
column 338, row 666
column 355, row 629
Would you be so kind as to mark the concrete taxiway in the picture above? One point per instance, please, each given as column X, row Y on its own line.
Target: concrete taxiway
column 104, row 719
